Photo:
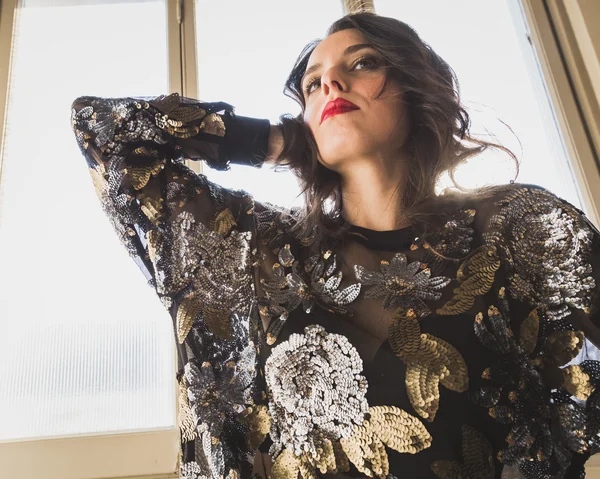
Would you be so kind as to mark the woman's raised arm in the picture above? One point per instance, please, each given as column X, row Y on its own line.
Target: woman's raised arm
column 195, row 242
column 135, row 147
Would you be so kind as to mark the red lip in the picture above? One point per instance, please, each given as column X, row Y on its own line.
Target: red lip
column 339, row 105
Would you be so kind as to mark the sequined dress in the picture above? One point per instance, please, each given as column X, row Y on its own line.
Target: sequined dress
column 465, row 352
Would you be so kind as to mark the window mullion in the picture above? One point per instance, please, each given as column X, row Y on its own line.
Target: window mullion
column 189, row 64
column 8, row 10
column 183, row 71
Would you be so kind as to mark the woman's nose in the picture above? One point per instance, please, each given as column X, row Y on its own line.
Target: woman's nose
column 332, row 79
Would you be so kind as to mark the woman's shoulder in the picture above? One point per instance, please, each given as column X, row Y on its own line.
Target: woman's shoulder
column 537, row 233
column 276, row 224
column 508, row 206
column 532, row 208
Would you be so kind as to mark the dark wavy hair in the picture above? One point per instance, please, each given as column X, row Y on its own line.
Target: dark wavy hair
column 437, row 142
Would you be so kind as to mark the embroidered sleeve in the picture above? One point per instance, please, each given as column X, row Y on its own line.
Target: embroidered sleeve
column 193, row 240
column 544, row 330
column 135, row 148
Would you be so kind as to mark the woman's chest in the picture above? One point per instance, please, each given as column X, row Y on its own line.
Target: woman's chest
column 334, row 391
column 369, row 351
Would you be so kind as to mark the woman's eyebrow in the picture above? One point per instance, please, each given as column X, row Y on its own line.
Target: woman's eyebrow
column 347, row 51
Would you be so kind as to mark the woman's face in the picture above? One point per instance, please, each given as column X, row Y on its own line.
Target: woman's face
column 342, row 69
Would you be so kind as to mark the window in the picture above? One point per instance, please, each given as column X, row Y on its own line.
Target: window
column 86, row 348
column 248, row 65
column 484, row 43
column 85, row 343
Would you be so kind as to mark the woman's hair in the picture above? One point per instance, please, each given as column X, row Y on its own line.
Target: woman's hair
column 436, row 143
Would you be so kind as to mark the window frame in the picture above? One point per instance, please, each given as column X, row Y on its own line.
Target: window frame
column 573, row 98
column 140, row 455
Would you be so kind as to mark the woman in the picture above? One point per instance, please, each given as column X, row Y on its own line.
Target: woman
column 383, row 330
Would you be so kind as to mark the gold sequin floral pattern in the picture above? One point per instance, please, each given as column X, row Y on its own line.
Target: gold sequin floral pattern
column 475, row 277
column 429, row 361
column 180, row 120
column 401, row 284
column 321, row 418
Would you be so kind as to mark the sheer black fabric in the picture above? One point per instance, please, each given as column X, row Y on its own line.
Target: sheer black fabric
column 467, row 351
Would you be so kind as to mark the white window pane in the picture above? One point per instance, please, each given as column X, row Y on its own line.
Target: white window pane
column 86, row 347
column 499, row 80
column 245, row 52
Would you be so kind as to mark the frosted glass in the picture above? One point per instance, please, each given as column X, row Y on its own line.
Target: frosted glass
column 486, row 45
column 245, row 53
column 86, row 347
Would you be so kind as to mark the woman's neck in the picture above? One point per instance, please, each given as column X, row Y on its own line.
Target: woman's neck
column 371, row 195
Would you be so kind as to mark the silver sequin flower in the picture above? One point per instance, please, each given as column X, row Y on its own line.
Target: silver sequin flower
column 191, row 470
column 218, row 266
column 195, row 470
column 215, row 393
column 316, row 391
column 325, row 280
column 401, row 284
column 546, row 244
column 285, row 292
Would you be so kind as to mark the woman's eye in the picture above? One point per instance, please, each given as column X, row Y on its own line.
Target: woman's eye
column 308, row 87
column 367, row 61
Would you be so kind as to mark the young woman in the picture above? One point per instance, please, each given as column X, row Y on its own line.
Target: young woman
column 383, row 330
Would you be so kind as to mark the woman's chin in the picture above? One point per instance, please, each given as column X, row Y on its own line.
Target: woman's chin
column 339, row 160
column 341, row 149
